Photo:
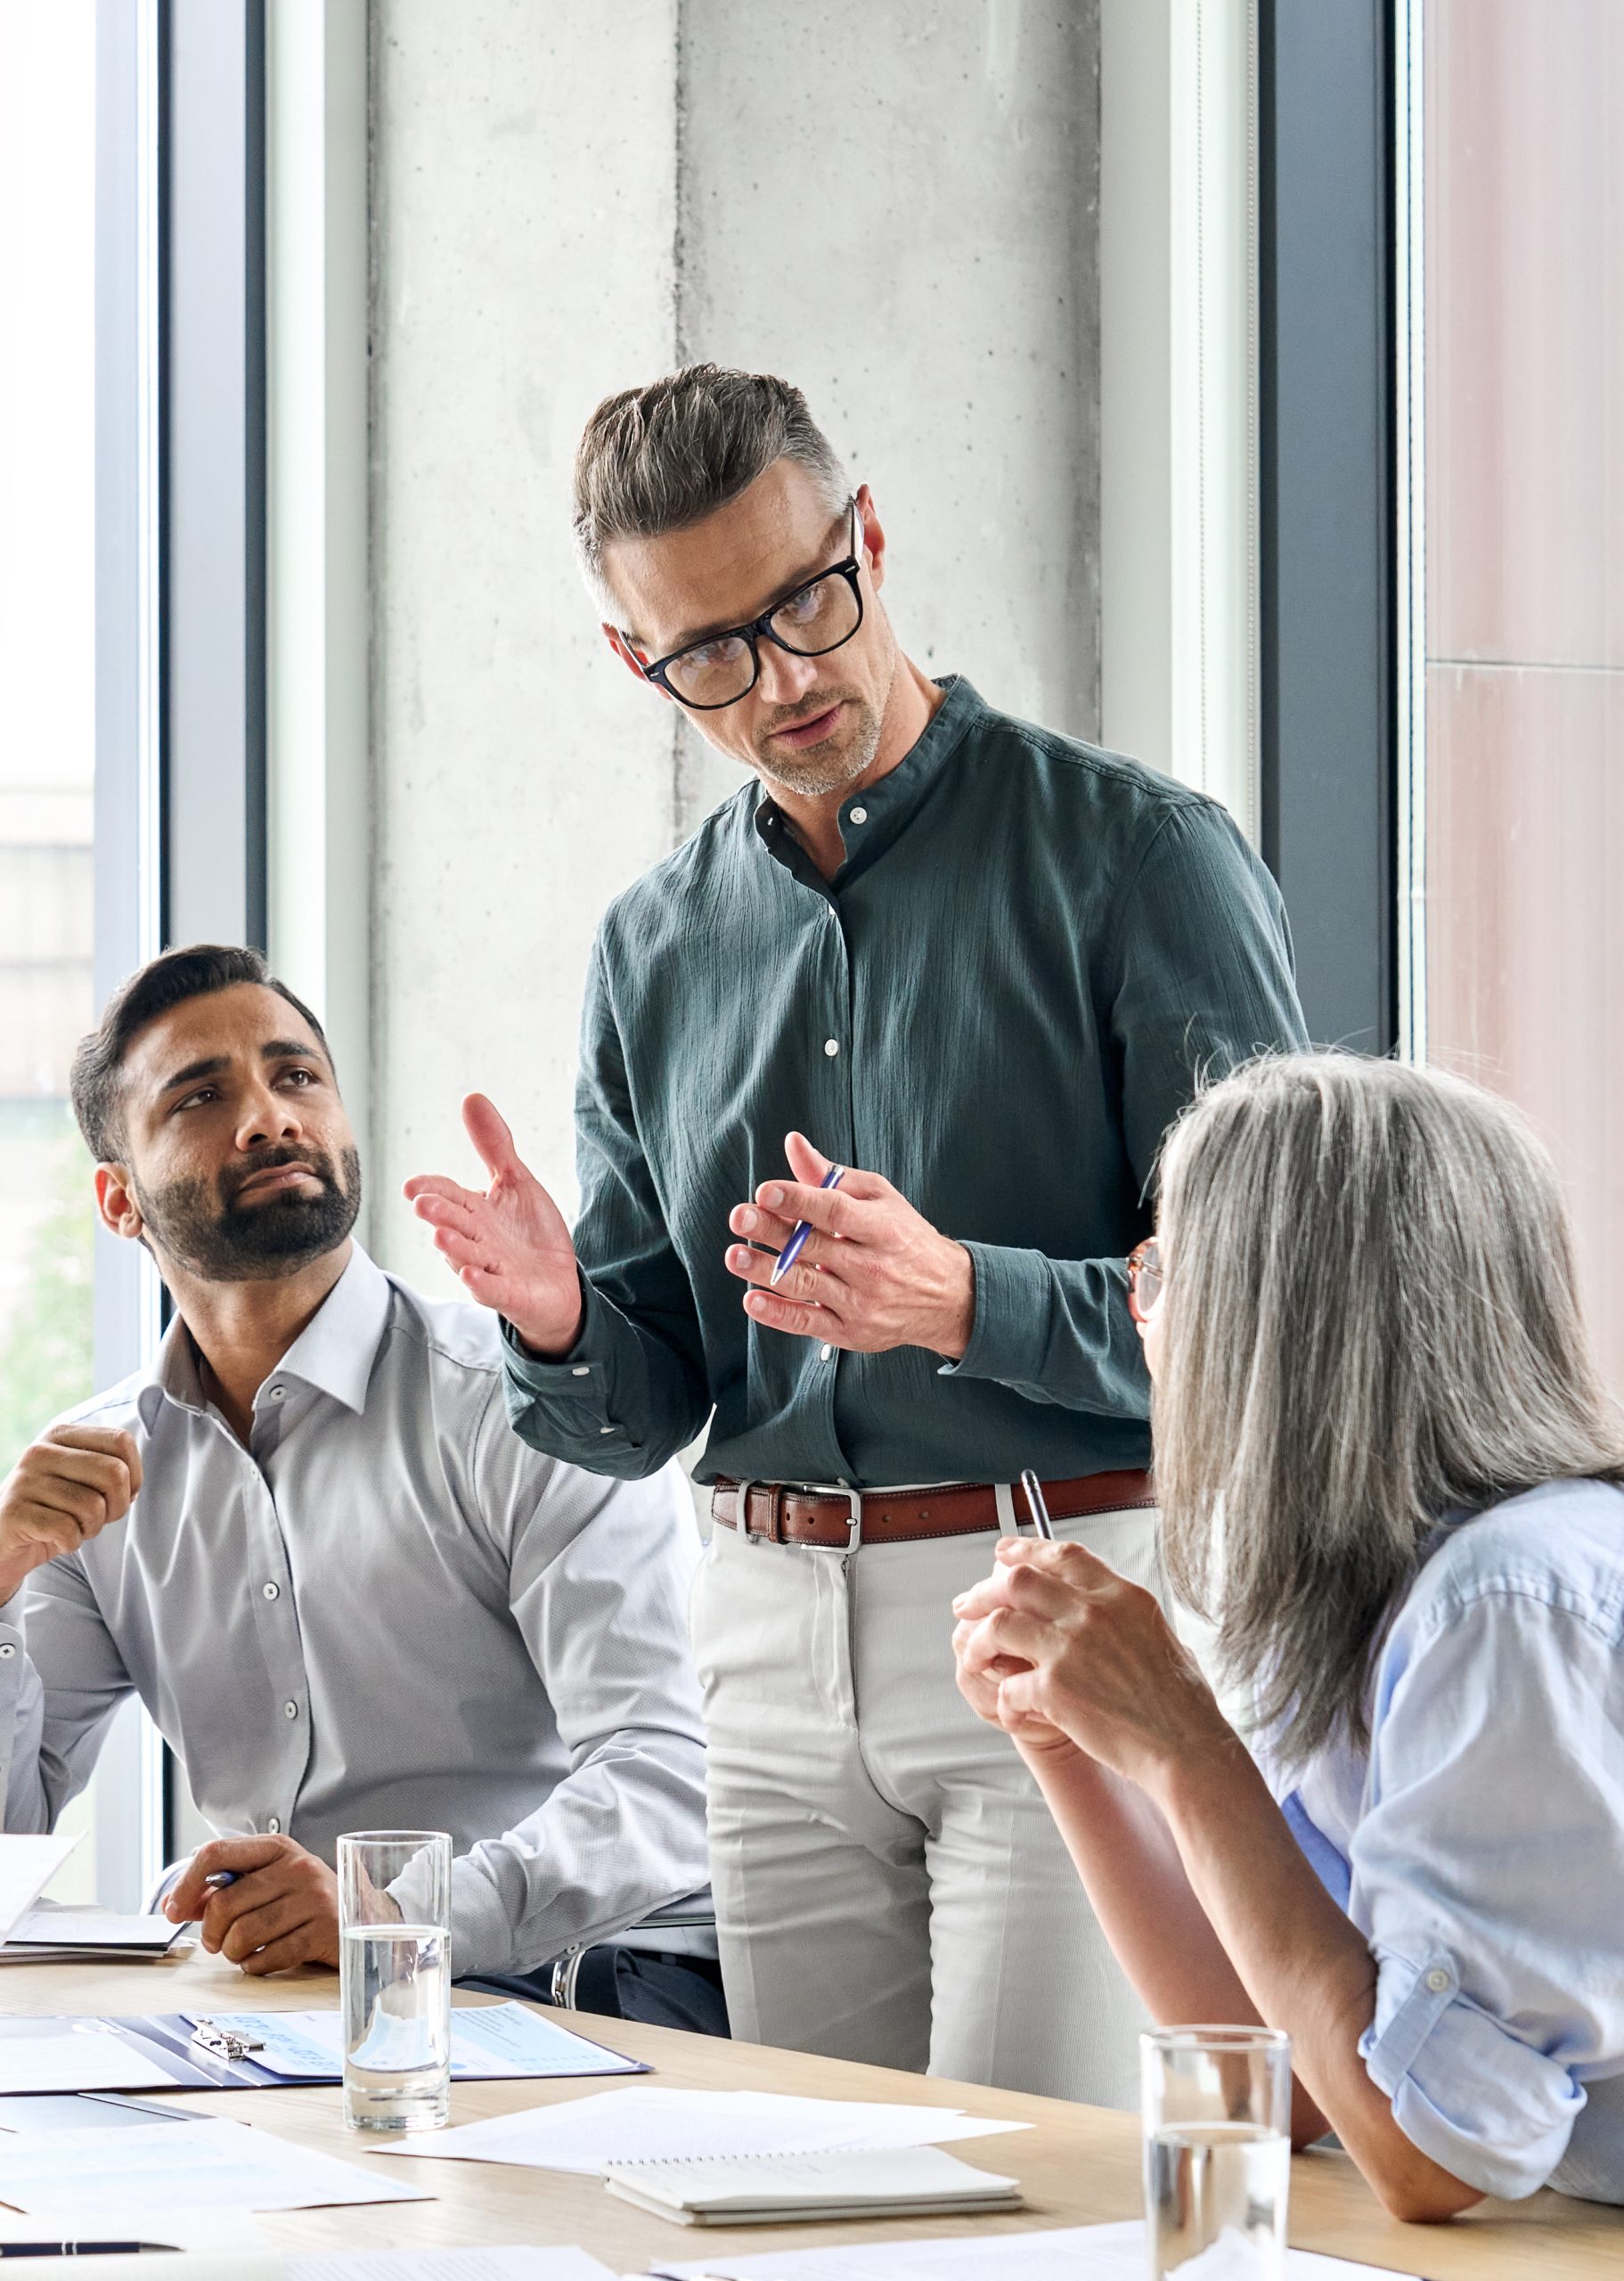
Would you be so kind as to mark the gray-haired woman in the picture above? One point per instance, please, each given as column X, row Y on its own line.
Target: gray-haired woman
column 1390, row 1472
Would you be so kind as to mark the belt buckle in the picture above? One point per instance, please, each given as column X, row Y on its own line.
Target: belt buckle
column 741, row 1511
column 853, row 1498
column 774, row 1533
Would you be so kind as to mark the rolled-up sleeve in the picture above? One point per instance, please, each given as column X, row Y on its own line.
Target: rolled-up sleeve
column 1485, row 1875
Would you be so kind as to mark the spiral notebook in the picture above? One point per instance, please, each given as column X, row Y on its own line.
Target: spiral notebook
column 850, row 2182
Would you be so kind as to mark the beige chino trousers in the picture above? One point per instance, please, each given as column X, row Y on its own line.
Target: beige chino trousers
column 889, row 1885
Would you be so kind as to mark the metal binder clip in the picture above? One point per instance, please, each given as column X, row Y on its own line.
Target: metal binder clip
column 224, row 2043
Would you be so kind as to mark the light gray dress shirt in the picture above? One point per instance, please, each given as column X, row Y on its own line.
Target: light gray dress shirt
column 388, row 1613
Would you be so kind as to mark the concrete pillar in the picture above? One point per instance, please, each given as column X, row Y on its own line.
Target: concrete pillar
column 523, row 197
column 895, row 207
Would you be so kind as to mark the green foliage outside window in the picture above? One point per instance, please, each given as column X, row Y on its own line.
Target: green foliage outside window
column 47, row 1346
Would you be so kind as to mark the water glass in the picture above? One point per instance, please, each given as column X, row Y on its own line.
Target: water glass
column 1217, row 2104
column 395, row 1977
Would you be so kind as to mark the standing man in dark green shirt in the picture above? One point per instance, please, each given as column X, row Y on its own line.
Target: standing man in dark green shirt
column 980, row 967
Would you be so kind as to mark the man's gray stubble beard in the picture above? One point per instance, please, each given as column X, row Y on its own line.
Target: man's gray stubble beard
column 834, row 772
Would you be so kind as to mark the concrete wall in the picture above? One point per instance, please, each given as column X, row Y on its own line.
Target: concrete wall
column 895, row 205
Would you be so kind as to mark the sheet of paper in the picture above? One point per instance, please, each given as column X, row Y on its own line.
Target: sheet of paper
column 1071, row 2253
column 74, row 2056
column 448, row 2265
column 91, row 1929
column 234, row 2264
column 191, row 2165
column 53, row 2110
column 226, row 2228
column 486, row 2040
column 26, row 1867
column 654, row 2125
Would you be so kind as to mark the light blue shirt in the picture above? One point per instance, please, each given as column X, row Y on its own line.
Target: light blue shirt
column 385, row 1613
column 1480, row 1848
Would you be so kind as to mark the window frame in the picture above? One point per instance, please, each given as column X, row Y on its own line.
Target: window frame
column 1329, row 565
column 180, row 788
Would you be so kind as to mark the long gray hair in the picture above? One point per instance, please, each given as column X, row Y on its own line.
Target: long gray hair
column 1371, row 1320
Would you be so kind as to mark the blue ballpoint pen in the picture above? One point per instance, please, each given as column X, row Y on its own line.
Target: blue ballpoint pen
column 799, row 1234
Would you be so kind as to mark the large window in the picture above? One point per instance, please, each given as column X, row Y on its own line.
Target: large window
column 47, row 724
column 1513, row 121
column 47, row 703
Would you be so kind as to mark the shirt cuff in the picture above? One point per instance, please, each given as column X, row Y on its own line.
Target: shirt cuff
column 481, row 1936
column 13, row 1671
column 581, row 1381
column 569, row 1373
column 1009, row 1334
column 1489, row 2109
column 13, row 1656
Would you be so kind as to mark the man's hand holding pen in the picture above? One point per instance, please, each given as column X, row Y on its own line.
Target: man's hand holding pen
column 874, row 1274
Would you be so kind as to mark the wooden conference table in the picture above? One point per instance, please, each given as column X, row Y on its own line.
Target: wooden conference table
column 1080, row 2165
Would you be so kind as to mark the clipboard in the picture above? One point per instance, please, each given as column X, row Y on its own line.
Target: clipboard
column 223, row 2051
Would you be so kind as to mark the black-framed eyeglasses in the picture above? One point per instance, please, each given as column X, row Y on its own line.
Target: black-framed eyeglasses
column 818, row 617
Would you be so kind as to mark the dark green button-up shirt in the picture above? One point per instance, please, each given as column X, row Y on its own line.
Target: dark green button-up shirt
column 999, row 1001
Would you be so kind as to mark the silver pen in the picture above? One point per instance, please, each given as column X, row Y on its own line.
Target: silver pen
column 1035, row 1505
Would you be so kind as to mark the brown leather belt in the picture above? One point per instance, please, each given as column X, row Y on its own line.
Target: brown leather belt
column 785, row 1514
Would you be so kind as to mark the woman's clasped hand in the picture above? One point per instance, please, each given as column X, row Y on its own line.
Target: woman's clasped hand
column 1064, row 1653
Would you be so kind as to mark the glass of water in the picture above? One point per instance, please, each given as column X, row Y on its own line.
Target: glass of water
column 1218, row 2104
column 395, row 1977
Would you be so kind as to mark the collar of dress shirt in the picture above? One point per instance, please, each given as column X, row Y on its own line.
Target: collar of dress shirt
column 334, row 1353
column 887, row 807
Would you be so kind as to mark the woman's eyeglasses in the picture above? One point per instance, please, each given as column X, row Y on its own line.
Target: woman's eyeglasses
column 1146, row 1280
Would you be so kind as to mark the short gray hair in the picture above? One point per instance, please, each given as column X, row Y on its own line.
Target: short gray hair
column 655, row 458
column 1372, row 1319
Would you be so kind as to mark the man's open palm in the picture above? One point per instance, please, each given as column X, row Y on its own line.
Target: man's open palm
column 510, row 1245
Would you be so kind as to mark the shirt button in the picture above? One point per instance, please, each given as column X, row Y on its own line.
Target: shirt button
column 582, row 1370
column 277, row 1393
column 7, row 1647
column 831, row 1046
column 606, row 1429
column 828, row 1354
column 291, row 1709
column 860, row 815
column 1437, row 1980
column 272, row 1591
column 273, row 1824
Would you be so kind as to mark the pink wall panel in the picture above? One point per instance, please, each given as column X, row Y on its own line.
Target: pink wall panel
column 1525, row 583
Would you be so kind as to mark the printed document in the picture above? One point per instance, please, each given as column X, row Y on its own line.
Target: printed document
column 165, row 2165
